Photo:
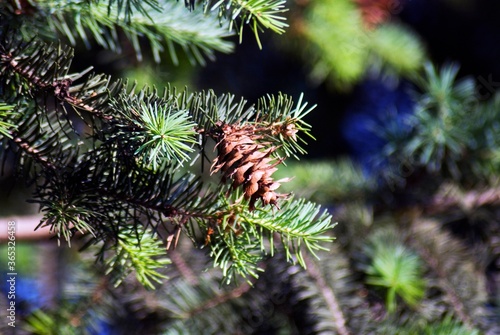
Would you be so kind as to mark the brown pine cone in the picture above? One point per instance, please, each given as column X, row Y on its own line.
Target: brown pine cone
column 248, row 163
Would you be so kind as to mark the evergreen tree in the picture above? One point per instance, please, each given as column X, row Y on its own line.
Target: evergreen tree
column 110, row 163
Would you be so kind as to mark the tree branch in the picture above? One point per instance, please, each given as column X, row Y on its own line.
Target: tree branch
column 329, row 296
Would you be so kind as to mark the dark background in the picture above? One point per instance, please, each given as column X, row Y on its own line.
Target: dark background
column 464, row 32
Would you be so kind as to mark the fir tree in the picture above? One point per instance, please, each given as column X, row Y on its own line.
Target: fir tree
column 109, row 162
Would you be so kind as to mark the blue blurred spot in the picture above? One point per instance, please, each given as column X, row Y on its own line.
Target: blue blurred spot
column 28, row 295
column 100, row 327
column 380, row 111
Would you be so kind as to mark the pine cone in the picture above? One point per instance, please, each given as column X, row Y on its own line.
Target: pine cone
column 248, row 163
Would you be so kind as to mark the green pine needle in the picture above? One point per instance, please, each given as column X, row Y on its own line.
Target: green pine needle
column 167, row 135
column 40, row 322
column 397, row 269
column 449, row 326
column 258, row 14
column 236, row 256
column 442, row 119
column 64, row 218
column 6, row 126
column 139, row 251
column 128, row 7
column 299, row 223
column 243, row 238
column 166, row 25
column 278, row 113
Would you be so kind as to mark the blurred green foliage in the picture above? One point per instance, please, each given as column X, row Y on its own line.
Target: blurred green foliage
column 342, row 49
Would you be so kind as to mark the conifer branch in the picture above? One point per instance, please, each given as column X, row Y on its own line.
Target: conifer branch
column 451, row 196
column 458, row 280
column 33, row 152
column 395, row 268
column 125, row 176
column 183, row 267
column 41, row 65
column 285, row 121
column 165, row 135
column 330, row 295
column 137, row 249
column 439, row 120
column 6, row 126
column 204, row 307
column 234, row 293
column 128, row 7
column 109, row 164
column 448, row 288
column 332, row 302
column 258, row 14
column 40, row 141
column 298, row 223
column 163, row 23
column 239, row 239
column 44, row 68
